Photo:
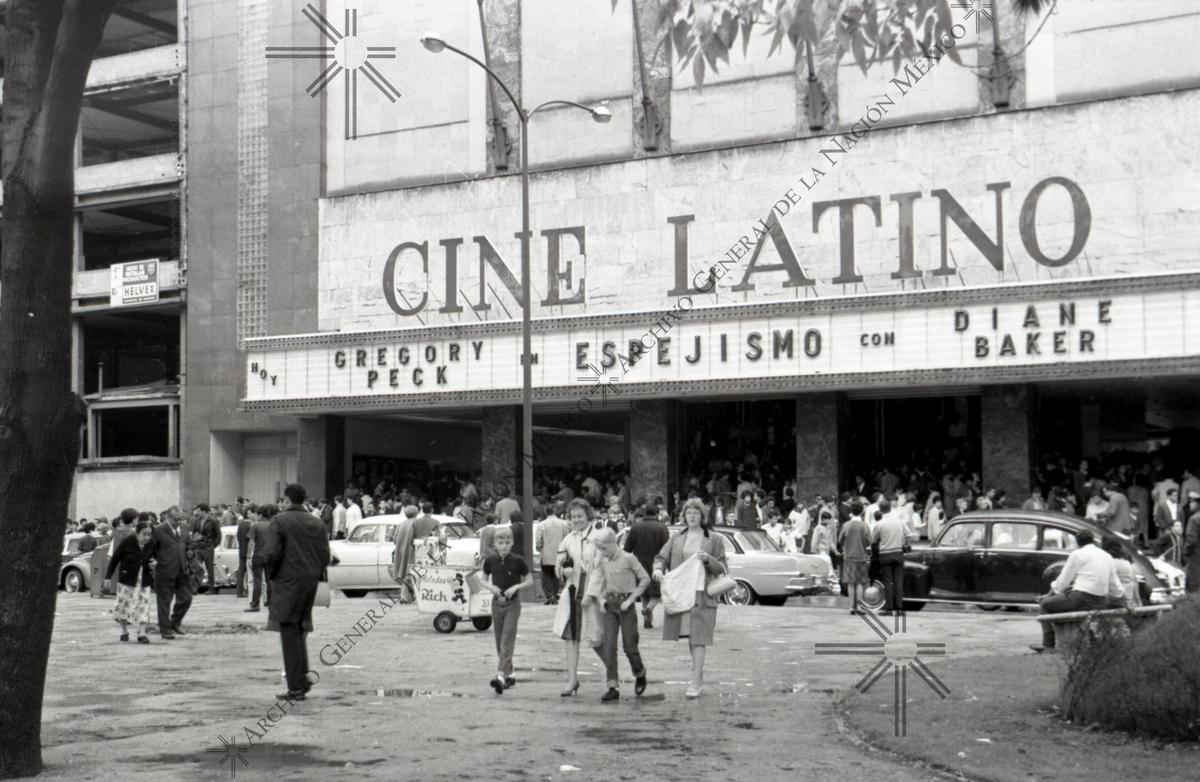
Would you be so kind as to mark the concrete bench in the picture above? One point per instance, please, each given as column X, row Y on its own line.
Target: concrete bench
column 1066, row 625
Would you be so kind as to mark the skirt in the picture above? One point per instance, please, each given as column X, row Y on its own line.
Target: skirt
column 702, row 622
column 133, row 604
column 855, row 571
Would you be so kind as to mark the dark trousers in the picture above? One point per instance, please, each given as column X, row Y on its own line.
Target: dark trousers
column 891, row 572
column 505, row 615
column 207, row 555
column 1071, row 600
column 241, row 577
column 258, row 571
column 294, row 641
column 549, row 582
column 167, row 589
column 625, row 623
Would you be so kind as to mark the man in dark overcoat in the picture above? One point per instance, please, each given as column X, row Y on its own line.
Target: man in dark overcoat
column 297, row 553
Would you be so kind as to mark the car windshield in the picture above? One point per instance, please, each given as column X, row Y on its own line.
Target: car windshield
column 754, row 540
column 367, row 533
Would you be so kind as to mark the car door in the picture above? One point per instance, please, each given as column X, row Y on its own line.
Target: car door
column 385, row 554
column 955, row 562
column 1011, row 570
column 1057, row 544
column 734, row 559
column 359, row 565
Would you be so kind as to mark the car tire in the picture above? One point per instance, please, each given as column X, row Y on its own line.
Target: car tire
column 354, row 592
column 990, row 608
column 445, row 622
column 482, row 623
column 914, row 605
column 72, row 581
column 740, row 595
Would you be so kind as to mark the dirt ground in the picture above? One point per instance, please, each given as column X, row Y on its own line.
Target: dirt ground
column 409, row 703
column 990, row 729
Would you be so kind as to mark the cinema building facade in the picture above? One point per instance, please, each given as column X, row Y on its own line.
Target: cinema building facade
column 922, row 272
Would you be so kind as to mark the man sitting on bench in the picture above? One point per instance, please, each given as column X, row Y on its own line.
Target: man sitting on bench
column 1088, row 582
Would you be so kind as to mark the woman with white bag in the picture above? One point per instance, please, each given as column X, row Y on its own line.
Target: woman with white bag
column 693, row 562
column 577, row 616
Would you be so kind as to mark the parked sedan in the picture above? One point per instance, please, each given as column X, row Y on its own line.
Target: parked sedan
column 1010, row 557
column 765, row 573
column 365, row 557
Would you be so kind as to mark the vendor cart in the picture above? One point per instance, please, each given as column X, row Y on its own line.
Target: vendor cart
column 446, row 592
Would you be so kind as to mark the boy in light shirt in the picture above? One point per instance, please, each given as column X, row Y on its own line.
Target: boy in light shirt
column 617, row 583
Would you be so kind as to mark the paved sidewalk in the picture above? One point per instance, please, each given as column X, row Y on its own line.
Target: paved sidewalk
column 408, row 703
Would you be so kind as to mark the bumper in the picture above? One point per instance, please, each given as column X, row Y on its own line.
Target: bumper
column 806, row 585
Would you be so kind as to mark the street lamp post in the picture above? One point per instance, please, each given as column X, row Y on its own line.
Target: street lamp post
column 436, row 44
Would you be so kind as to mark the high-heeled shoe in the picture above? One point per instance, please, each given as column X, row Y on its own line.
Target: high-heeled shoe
column 567, row 693
column 693, row 692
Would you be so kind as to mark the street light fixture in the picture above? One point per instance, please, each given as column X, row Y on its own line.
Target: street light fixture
column 436, row 44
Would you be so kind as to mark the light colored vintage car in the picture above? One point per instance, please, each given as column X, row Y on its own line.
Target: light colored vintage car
column 765, row 573
column 365, row 556
column 75, row 572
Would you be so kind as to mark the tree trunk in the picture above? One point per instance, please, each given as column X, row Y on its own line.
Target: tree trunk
column 50, row 44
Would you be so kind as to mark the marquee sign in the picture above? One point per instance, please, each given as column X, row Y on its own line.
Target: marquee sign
column 1039, row 331
column 1018, row 198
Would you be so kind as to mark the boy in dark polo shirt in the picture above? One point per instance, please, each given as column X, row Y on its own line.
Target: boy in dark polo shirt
column 505, row 575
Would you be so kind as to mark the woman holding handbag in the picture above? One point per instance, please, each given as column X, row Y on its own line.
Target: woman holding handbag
column 133, row 582
column 696, row 625
column 576, row 617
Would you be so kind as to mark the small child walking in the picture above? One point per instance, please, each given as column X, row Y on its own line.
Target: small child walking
column 505, row 575
column 617, row 583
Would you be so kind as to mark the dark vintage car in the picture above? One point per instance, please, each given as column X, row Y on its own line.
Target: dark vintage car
column 1008, row 558
column 765, row 574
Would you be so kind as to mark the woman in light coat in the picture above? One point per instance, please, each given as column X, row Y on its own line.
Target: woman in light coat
column 576, row 557
column 698, row 624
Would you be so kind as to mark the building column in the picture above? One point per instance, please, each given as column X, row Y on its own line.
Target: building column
column 820, row 443
column 319, row 455
column 500, row 449
column 653, row 458
column 1007, row 432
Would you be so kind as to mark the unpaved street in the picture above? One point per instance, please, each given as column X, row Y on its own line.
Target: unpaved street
column 408, row 703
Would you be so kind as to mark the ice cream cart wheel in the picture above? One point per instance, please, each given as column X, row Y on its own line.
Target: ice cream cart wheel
column 482, row 622
column 445, row 622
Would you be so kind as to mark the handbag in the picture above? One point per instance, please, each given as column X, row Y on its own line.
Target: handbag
column 323, row 596
column 720, row 585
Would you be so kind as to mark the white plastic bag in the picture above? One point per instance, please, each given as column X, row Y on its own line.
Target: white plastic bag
column 680, row 584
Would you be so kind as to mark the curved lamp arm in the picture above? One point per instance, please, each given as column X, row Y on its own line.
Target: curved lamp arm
column 436, row 44
column 599, row 113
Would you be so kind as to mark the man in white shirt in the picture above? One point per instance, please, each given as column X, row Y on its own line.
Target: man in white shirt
column 801, row 521
column 339, row 517
column 1087, row 582
column 354, row 516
